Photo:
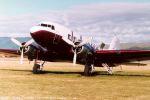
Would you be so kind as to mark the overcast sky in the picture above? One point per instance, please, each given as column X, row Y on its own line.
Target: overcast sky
column 102, row 19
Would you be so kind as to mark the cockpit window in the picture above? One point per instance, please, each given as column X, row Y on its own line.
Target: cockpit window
column 50, row 26
column 45, row 25
column 53, row 28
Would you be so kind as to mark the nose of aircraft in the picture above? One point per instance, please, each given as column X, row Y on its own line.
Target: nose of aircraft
column 35, row 33
column 42, row 36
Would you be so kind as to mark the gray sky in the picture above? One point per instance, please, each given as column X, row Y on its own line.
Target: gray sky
column 102, row 20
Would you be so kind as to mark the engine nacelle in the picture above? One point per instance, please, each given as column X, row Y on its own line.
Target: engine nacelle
column 25, row 49
column 83, row 51
column 29, row 51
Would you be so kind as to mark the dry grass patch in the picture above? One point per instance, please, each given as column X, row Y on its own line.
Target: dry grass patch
column 63, row 81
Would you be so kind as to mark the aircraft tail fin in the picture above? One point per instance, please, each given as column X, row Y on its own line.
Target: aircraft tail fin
column 115, row 44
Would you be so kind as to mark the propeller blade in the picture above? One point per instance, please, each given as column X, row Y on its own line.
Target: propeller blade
column 75, row 58
column 21, row 58
column 29, row 42
column 16, row 42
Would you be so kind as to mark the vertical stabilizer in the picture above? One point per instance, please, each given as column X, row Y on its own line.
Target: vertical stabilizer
column 115, row 44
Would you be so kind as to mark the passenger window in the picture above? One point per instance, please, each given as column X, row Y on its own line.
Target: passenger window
column 49, row 25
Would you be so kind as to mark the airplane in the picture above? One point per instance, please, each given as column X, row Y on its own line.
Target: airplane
column 52, row 42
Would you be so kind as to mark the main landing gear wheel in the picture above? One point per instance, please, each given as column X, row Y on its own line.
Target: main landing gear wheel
column 36, row 69
column 87, row 70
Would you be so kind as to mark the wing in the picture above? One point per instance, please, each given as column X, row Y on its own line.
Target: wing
column 9, row 53
column 120, row 56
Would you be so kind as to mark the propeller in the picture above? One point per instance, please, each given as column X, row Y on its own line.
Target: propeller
column 28, row 42
column 22, row 46
column 76, row 46
column 75, row 57
column 21, row 58
column 16, row 42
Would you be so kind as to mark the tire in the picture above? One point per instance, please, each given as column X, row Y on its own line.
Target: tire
column 36, row 69
column 87, row 70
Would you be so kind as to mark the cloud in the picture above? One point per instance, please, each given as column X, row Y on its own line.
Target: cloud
column 131, row 22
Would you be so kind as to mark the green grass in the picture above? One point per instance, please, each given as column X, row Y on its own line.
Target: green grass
column 63, row 81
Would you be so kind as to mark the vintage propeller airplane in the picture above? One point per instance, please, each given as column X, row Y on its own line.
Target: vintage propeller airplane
column 51, row 41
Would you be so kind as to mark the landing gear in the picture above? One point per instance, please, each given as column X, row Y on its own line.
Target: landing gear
column 88, row 70
column 37, row 68
column 89, row 65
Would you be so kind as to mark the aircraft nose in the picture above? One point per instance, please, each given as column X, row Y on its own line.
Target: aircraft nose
column 42, row 36
column 34, row 35
column 39, row 36
column 37, row 33
column 33, row 31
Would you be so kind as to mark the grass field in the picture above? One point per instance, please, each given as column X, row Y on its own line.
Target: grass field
column 64, row 81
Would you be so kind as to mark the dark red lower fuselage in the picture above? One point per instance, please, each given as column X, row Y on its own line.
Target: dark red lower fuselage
column 56, row 46
column 59, row 49
column 120, row 56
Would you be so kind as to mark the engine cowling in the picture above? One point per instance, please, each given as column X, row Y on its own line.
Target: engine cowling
column 83, row 51
column 29, row 51
column 25, row 49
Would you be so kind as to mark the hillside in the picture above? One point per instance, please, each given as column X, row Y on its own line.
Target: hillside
column 136, row 46
column 6, row 43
